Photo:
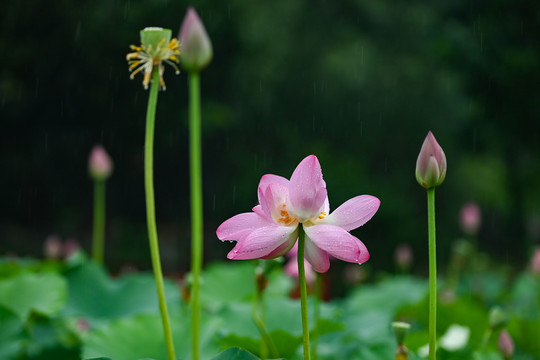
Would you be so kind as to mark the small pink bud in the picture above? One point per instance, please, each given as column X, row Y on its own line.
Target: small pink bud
column 355, row 274
column 431, row 163
column 506, row 345
column 403, row 256
column 83, row 325
column 71, row 247
column 195, row 45
column 535, row 262
column 100, row 165
column 470, row 218
column 52, row 247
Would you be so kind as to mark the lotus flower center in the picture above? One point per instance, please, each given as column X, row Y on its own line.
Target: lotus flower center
column 284, row 217
column 313, row 221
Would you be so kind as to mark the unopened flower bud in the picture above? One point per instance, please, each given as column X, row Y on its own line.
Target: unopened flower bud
column 100, row 165
column 53, row 247
column 535, row 262
column 470, row 218
column 431, row 163
column 196, row 47
column 71, row 247
column 506, row 345
column 403, row 256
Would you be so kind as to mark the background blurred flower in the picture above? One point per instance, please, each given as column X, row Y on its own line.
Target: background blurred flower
column 470, row 218
column 535, row 261
column 403, row 256
column 52, row 247
column 100, row 165
column 506, row 345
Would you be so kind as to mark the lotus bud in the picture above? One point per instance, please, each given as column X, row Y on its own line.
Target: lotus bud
column 196, row 47
column 470, row 218
column 431, row 163
column 53, row 247
column 506, row 345
column 403, row 256
column 100, row 165
column 71, row 247
column 535, row 262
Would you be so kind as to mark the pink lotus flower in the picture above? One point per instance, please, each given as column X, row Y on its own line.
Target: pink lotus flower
column 271, row 230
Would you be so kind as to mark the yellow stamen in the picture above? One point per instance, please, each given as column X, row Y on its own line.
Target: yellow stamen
column 135, row 72
column 285, row 217
column 146, row 79
column 146, row 58
column 133, row 64
column 136, row 48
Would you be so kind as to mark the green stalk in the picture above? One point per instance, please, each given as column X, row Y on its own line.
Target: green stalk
column 151, row 213
column 196, row 205
column 98, row 239
column 318, row 299
column 266, row 342
column 303, row 292
column 432, row 275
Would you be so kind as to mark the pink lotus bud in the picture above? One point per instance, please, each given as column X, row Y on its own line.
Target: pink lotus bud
column 100, row 165
column 403, row 256
column 431, row 163
column 82, row 325
column 535, row 262
column 52, row 247
column 355, row 274
column 71, row 247
column 195, row 45
column 470, row 218
column 506, row 345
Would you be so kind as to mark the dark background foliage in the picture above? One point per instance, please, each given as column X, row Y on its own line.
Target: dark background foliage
column 358, row 83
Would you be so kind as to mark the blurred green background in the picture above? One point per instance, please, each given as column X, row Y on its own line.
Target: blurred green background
column 358, row 83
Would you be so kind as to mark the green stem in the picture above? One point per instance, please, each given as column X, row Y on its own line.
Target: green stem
column 432, row 275
column 486, row 337
column 196, row 205
column 267, row 342
column 318, row 299
column 303, row 291
column 151, row 213
column 98, row 239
